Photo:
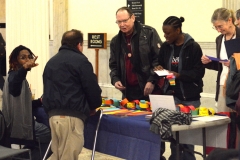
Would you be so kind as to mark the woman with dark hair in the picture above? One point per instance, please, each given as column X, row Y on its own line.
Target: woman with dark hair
column 17, row 107
column 181, row 56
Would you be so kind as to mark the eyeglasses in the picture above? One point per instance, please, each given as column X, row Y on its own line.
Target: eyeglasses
column 26, row 57
column 217, row 27
column 222, row 24
column 123, row 21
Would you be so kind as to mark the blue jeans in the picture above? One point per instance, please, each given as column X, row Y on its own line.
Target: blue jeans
column 41, row 116
column 184, row 155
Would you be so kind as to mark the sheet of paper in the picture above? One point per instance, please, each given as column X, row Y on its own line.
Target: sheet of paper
column 216, row 59
column 162, row 101
column 162, row 72
column 209, row 118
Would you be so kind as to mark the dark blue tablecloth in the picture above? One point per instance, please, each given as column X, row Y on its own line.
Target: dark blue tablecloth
column 124, row 137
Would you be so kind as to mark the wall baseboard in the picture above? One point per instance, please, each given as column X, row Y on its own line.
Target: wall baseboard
column 207, row 95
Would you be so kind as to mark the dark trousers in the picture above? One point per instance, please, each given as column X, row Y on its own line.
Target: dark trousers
column 134, row 93
column 1, row 82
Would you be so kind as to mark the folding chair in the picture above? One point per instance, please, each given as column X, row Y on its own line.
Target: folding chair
column 10, row 153
column 43, row 141
column 100, row 112
column 45, row 155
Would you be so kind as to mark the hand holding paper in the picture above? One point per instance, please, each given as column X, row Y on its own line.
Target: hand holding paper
column 216, row 59
column 205, row 59
column 163, row 72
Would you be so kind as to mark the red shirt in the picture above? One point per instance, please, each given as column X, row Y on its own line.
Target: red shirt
column 130, row 76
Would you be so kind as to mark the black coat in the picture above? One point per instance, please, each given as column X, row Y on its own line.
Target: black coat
column 148, row 48
column 70, row 86
column 190, row 67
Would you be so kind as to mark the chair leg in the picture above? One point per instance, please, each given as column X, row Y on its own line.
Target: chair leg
column 40, row 150
column 95, row 138
column 30, row 155
column 45, row 155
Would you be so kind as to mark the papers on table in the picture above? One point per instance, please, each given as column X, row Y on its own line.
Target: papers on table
column 162, row 101
column 109, row 109
column 122, row 112
column 209, row 118
column 216, row 59
column 148, row 116
column 232, row 46
column 163, row 72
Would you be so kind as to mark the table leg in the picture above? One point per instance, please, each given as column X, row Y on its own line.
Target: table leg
column 204, row 142
column 177, row 145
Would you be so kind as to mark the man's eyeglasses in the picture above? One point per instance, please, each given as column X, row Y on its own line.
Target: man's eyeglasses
column 123, row 21
column 26, row 57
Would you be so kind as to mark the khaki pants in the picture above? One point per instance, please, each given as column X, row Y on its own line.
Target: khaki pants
column 67, row 137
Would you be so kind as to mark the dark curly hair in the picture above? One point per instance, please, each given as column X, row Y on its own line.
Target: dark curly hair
column 13, row 61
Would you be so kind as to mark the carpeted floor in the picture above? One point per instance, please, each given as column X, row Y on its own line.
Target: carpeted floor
column 86, row 155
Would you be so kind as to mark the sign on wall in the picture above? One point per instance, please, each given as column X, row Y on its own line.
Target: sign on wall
column 97, row 40
column 137, row 6
column 2, row 25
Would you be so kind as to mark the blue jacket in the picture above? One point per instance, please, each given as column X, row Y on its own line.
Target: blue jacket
column 70, row 86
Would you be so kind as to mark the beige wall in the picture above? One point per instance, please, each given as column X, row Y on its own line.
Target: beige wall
column 29, row 25
column 58, row 22
column 99, row 16
column 3, row 17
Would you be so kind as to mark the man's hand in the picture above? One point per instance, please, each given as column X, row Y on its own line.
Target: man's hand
column 159, row 67
column 119, row 86
column 148, row 88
